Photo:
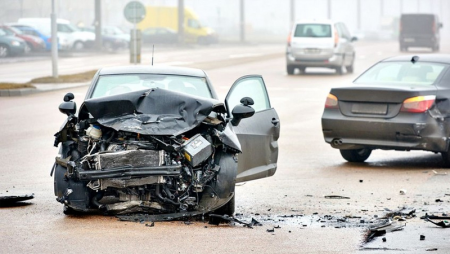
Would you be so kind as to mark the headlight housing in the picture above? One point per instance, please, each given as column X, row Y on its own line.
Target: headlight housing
column 15, row 43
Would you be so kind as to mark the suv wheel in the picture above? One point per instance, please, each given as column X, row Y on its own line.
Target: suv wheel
column 339, row 70
column 356, row 155
column 290, row 69
column 78, row 45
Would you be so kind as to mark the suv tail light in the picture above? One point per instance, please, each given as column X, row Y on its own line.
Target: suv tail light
column 418, row 104
column 331, row 102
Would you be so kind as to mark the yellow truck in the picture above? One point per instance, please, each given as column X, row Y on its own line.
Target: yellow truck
column 167, row 17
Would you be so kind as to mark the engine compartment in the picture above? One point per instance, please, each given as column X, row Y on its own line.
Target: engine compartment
column 122, row 172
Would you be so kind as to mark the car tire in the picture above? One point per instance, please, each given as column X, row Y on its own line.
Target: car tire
column 446, row 159
column 350, row 67
column 108, row 47
column 78, row 45
column 290, row 70
column 339, row 70
column 4, row 51
column 227, row 209
column 302, row 70
column 356, row 155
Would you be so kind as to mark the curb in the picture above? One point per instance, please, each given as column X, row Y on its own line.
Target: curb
column 40, row 88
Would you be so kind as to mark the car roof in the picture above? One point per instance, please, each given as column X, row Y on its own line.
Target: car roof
column 436, row 58
column 148, row 69
column 315, row 21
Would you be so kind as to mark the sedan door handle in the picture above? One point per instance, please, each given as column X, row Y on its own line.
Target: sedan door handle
column 275, row 121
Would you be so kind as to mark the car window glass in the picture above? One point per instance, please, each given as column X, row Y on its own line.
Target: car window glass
column 312, row 30
column 192, row 23
column 402, row 73
column 118, row 84
column 63, row 28
column 149, row 31
column 15, row 30
column 2, row 32
column 5, row 31
column 252, row 87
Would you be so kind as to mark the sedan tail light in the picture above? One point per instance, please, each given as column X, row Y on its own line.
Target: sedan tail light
column 331, row 102
column 418, row 104
column 289, row 39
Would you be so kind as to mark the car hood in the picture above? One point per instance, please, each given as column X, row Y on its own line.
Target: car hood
column 152, row 112
column 388, row 93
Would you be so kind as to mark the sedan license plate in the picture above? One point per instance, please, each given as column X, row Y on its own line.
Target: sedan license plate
column 369, row 108
column 409, row 40
column 312, row 51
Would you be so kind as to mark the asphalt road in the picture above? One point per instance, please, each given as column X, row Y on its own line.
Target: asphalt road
column 293, row 199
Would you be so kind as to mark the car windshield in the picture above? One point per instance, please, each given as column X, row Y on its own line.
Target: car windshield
column 402, row 73
column 119, row 84
column 15, row 30
column 5, row 31
column 313, row 30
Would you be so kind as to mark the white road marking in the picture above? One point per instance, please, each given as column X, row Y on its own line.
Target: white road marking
column 245, row 55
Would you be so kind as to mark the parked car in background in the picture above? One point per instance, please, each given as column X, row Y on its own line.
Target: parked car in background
column 159, row 35
column 10, row 44
column 69, row 36
column 401, row 103
column 157, row 140
column 419, row 30
column 34, row 43
column 320, row 44
column 29, row 30
column 109, row 42
column 116, row 32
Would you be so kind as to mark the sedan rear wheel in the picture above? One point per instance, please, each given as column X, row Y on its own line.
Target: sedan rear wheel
column 446, row 159
column 356, row 155
column 290, row 69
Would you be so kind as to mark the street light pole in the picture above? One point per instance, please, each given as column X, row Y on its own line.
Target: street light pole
column 54, row 42
column 98, row 24
column 242, row 20
column 292, row 6
column 180, row 21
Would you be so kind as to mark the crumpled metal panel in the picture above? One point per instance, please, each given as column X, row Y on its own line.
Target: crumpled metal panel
column 152, row 112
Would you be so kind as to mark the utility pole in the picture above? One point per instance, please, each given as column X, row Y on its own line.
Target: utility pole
column 180, row 21
column 358, row 13
column 242, row 20
column 381, row 8
column 329, row 9
column 292, row 6
column 401, row 6
column 54, row 42
column 98, row 24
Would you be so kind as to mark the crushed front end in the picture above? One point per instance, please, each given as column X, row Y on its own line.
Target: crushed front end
column 122, row 155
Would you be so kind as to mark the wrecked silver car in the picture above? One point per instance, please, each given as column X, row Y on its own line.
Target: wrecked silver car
column 156, row 140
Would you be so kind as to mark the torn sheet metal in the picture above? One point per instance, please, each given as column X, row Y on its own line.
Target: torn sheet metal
column 11, row 200
column 232, row 219
column 154, row 112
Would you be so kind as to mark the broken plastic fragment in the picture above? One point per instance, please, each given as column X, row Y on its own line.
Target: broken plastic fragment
column 12, row 200
column 336, row 197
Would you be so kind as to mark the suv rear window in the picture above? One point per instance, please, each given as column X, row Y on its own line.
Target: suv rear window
column 313, row 30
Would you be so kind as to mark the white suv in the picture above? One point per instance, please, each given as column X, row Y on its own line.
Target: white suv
column 320, row 44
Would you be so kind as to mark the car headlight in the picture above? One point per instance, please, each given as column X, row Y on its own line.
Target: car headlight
column 15, row 43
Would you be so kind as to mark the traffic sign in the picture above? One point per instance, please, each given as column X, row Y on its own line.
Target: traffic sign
column 134, row 12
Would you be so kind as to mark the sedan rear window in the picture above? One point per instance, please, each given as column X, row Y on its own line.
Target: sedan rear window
column 313, row 30
column 124, row 83
column 402, row 73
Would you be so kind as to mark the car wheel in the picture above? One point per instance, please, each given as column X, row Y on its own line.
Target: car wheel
column 446, row 159
column 339, row 70
column 78, row 45
column 302, row 69
column 356, row 155
column 290, row 70
column 227, row 209
column 108, row 46
column 27, row 48
column 4, row 50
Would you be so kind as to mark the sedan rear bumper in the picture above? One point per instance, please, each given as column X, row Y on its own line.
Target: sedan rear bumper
column 407, row 131
column 329, row 61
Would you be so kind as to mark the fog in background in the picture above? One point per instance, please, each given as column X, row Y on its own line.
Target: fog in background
column 265, row 21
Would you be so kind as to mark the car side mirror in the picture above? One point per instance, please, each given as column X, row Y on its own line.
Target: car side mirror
column 242, row 111
column 354, row 38
column 68, row 107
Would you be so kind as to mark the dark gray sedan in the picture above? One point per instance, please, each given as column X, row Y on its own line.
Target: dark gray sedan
column 156, row 140
column 400, row 103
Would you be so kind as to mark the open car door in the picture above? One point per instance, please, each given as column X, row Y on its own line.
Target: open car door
column 258, row 134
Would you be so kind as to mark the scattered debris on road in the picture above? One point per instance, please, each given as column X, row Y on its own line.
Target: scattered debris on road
column 6, row 201
column 402, row 192
column 443, row 224
column 336, row 197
